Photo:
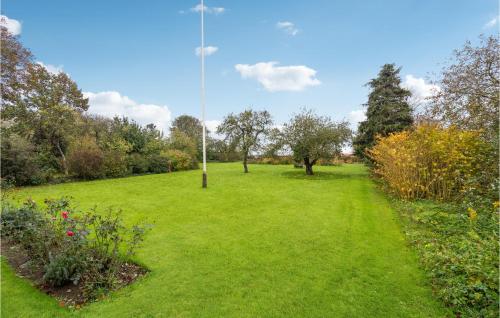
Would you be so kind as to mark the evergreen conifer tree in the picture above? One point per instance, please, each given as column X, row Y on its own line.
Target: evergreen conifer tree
column 387, row 111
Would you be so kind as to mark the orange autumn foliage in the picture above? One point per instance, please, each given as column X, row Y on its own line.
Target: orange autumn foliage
column 428, row 161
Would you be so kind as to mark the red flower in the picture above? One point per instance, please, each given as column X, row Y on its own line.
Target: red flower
column 65, row 214
column 70, row 233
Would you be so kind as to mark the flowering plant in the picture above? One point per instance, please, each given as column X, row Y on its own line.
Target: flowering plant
column 72, row 246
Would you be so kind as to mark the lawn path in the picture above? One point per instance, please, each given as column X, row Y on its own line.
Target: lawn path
column 271, row 243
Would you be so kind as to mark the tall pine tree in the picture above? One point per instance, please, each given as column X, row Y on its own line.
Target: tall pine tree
column 388, row 109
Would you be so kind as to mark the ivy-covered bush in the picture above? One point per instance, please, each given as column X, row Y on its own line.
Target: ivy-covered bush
column 72, row 247
column 458, row 247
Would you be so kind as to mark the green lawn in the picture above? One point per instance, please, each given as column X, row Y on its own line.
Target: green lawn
column 271, row 243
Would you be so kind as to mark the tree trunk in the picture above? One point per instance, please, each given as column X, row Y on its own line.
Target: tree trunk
column 309, row 169
column 309, row 166
column 63, row 159
column 245, row 157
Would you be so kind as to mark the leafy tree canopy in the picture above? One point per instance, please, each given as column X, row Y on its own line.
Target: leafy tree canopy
column 246, row 129
column 312, row 137
column 469, row 95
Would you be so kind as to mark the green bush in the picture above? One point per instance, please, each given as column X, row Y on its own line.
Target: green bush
column 115, row 163
column 63, row 269
column 137, row 163
column 158, row 163
column 180, row 160
column 71, row 246
column 86, row 159
column 458, row 247
column 28, row 228
column 19, row 161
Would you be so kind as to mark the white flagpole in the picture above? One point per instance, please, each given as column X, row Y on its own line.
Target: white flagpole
column 204, row 180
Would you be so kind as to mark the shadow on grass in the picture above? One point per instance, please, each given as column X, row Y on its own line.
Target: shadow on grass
column 319, row 175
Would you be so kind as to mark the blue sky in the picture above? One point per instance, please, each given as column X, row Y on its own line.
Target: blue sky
column 137, row 58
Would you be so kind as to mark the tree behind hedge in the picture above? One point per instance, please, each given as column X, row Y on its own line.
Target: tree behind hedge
column 469, row 95
column 192, row 127
column 387, row 111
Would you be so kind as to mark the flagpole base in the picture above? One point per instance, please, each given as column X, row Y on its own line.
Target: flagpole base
column 204, row 182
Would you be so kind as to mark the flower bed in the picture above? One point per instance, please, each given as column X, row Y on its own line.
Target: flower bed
column 74, row 256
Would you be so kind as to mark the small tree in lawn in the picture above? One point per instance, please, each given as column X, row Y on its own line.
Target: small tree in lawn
column 312, row 137
column 246, row 129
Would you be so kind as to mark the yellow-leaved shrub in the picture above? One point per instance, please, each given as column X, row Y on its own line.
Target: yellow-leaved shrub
column 428, row 161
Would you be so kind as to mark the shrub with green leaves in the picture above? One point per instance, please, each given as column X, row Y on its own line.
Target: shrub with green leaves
column 64, row 268
column 86, row 159
column 20, row 162
column 180, row 160
column 137, row 163
column 158, row 163
column 115, row 163
column 458, row 247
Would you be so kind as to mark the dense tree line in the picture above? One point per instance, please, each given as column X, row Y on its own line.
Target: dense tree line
column 48, row 135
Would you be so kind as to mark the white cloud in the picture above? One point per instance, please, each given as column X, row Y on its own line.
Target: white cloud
column 51, row 68
column 356, row 116
column 279, row 78
column 198, row 7
column 212, row 125
column 110, row 104
column 491, row 23
column 218, row 10
column 208, row 50
column 419, row 89
column 12, row 25
column 288, row 27
column 212, row 128
column 214, row 10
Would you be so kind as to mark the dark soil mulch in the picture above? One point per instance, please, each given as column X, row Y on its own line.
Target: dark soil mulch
column 69, row 294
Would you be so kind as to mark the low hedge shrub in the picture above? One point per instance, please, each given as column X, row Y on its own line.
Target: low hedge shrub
column 458, row 247
column 433, row 162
